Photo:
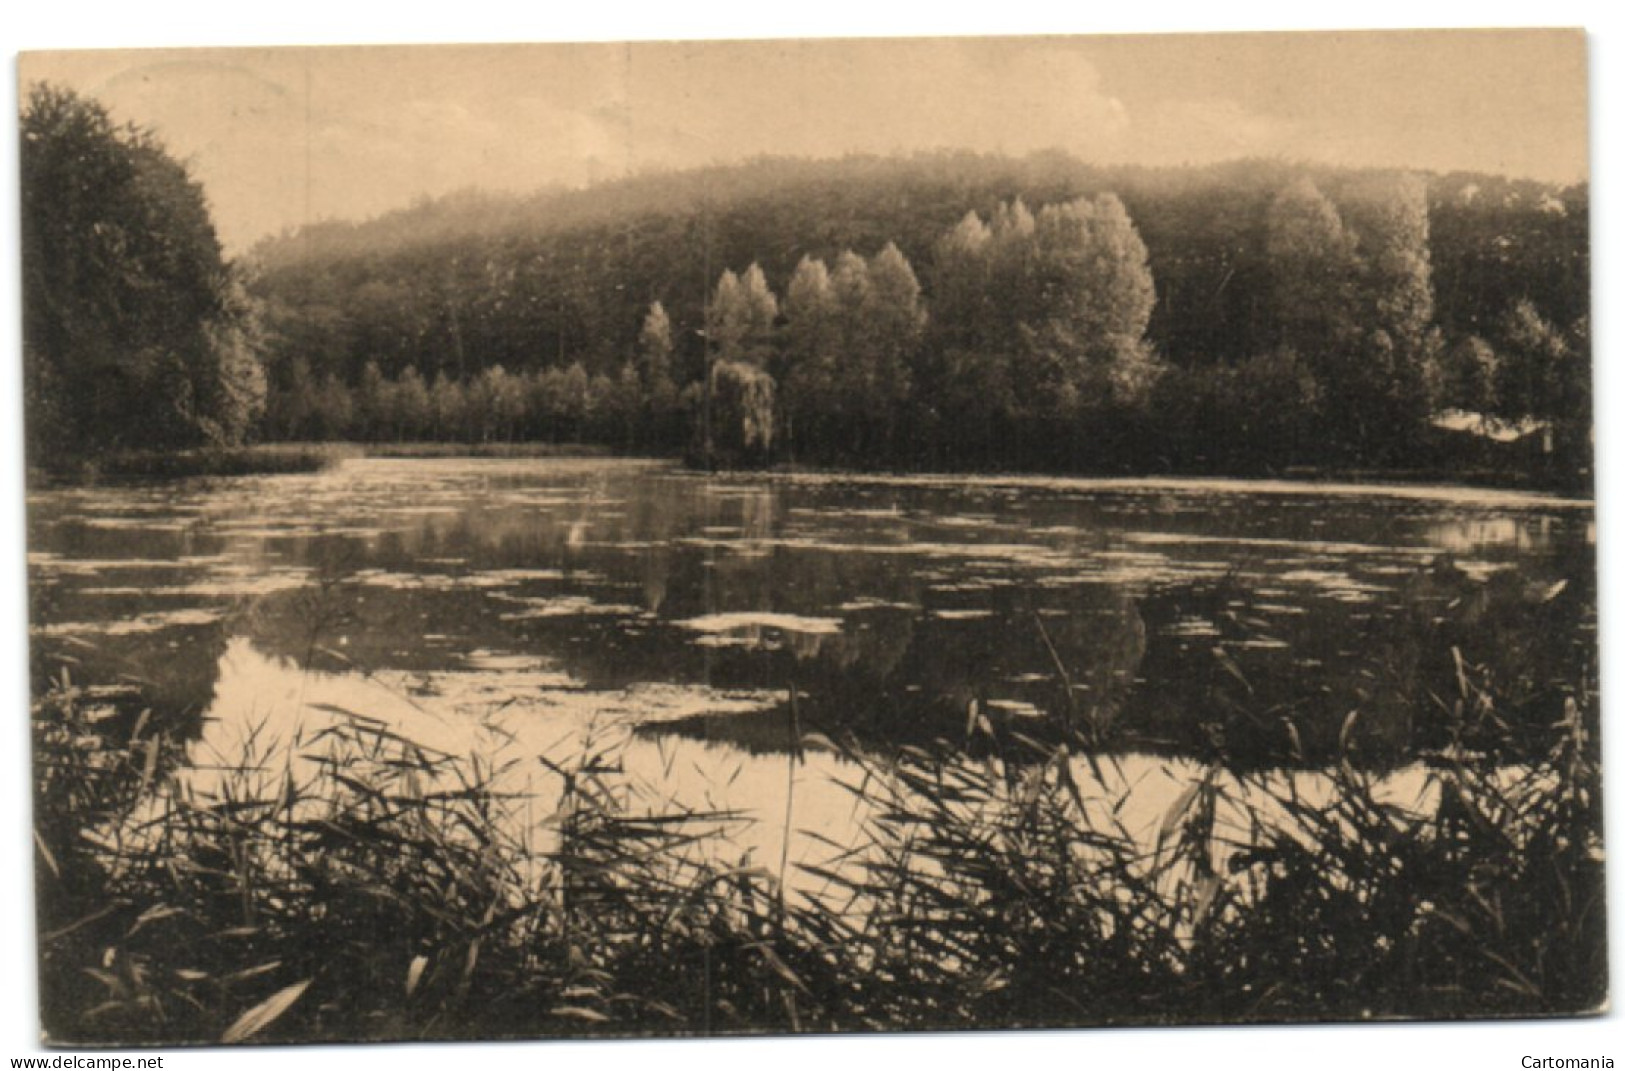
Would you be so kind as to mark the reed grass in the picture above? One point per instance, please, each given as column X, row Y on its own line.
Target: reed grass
column 360, row 885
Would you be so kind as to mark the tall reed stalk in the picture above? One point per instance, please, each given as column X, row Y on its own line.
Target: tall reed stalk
column 356, row 884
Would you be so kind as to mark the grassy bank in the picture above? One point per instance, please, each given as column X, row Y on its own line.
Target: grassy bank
column 257, row 459
column 378, row 889
column 278, row 458
column 484, row 450
column 1465, row 469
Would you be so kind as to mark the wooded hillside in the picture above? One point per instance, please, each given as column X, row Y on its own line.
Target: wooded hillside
column 1357, row 301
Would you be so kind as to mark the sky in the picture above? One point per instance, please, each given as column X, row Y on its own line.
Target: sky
column 280, row 137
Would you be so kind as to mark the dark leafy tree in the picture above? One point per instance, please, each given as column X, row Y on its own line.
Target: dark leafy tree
column 1535, row 355
column 1394, row 303
column 622, row 407
column 741, row 317
column 1089, row 275
column 655, row 375
column 136, row 332
column 1051, row 352
column 1311, row 264
column 895, row 321
column 374, row 403
column 334, row 416
column 1546, row 377
column 807, row 365
column 1470, row 370
column 966, row 372
column 742, row 409
column 571, row 390
column 292, row 403
column 447, row 406
column 1352, row 295
column 411, row 406
column 850, row 398
column 739, row 330
column 655, row 349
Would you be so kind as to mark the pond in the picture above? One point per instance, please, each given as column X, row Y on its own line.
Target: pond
column 716, row 621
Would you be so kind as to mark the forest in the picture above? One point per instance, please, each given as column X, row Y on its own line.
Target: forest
column 948, row 311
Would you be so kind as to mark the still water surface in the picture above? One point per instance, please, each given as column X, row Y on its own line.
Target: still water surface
column 548, row 601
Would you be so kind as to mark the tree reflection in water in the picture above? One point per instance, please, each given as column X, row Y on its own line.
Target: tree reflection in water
column 1192, row 619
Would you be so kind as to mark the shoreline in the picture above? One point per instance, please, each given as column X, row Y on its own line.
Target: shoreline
column 308, row 457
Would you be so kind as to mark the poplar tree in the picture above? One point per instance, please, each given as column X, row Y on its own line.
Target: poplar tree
column 806, row 367
column 738, row 414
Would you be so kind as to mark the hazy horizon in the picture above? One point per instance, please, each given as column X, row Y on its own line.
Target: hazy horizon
column 284, row 137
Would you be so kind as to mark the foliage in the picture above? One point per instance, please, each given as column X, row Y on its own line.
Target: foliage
column 1091, row 272
column 1541, row 369
column 1352, row 293
column 1311, row 267
column 742, row 410
column 1253, row 417
column 740, row 319
column 807, row 366
column 137, row 332
column 659, row 421
column 1483, row 897
column 851, row 341
column 1471, row 371
column 1045, row 336
column 1018, row 312
column 356, row 884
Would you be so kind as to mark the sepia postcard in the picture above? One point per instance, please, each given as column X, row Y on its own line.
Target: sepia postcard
column 810, row 536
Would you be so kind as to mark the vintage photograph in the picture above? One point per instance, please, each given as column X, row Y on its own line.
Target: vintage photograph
column 670, row 539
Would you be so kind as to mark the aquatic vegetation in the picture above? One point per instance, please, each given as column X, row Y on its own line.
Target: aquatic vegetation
column 358, row 884
column 443, row 748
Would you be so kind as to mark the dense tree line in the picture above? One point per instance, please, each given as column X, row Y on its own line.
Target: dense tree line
column 569, row 272
column 951, row 310
column 543, row 405
column 136, row 330
column 945, row 310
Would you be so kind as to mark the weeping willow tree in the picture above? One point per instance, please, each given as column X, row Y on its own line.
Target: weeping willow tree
column 737, row 417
